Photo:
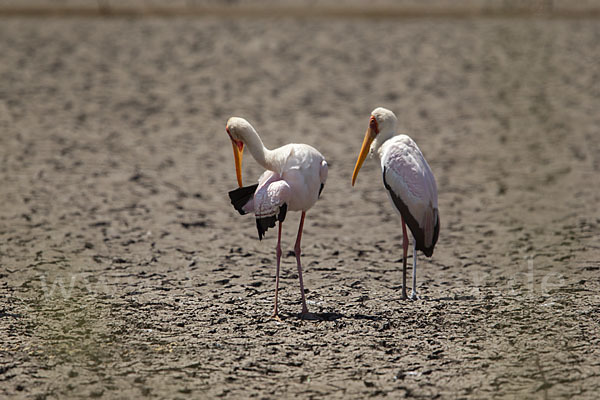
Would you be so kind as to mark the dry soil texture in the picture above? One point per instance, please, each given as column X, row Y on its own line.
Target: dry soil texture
column 125, row 272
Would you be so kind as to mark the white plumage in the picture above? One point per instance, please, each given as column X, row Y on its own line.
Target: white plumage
column 295, row 176
column 410, row 183
column 410, row 178
column 271, row 193
column 303, row 168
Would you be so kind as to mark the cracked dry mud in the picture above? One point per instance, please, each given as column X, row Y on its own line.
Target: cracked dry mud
column 125, row 273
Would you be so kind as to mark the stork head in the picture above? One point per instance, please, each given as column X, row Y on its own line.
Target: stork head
column 235, row 129
column 386, row 120
column 382, row 121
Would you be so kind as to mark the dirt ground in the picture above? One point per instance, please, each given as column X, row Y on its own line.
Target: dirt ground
column 126, row 273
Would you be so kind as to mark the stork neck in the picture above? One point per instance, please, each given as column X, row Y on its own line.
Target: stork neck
column 376, row 147
column 261, row 154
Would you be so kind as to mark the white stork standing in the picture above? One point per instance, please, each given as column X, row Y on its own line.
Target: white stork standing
column 410, row 184
column 294, row 178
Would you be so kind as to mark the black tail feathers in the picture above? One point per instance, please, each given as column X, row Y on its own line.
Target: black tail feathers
column 240, row 196
column 264, row 223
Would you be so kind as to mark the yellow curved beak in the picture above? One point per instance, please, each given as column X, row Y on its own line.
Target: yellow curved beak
column 238, row 153
column 364, row 151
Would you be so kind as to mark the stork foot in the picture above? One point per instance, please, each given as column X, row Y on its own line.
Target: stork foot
column 414, row 296
column 276, row 317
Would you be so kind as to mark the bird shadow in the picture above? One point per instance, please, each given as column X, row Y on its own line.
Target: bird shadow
column 333, row 316
column 326, row 317
column 321, row 316
column 452, row 298
column 316, row 317
column 366, row 317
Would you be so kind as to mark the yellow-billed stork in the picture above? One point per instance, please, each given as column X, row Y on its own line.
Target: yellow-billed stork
column 410, row 184
column 294, row 178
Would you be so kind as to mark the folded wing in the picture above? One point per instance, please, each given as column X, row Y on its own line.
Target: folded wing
column 412, row 189
column 270, row 202
column 267, row 200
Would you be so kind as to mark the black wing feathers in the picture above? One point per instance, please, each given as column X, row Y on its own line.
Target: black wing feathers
column 240, row 196
column 413, row 225
column 264, row 223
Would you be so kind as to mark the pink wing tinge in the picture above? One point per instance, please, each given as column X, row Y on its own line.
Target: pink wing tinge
column 413, row 190
column 270, row 201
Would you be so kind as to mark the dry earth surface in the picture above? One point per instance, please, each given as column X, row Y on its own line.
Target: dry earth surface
column 125, row 272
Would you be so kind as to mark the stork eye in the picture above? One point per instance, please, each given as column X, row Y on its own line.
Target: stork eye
column 373, row 124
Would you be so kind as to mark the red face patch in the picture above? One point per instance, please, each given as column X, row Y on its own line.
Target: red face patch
column 373, row 124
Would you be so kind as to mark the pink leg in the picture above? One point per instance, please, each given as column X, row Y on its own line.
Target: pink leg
column 297, row 251
column 404, row 255
column 278, row 250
